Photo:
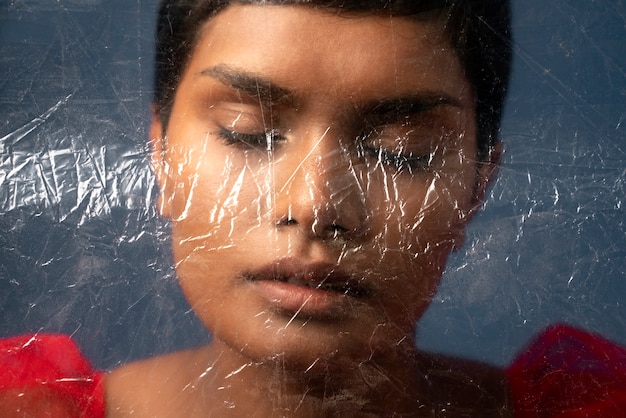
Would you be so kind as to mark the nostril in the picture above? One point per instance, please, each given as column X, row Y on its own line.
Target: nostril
column 332, row 231
column 322, row 228
column 286, row 221
column 337, row 229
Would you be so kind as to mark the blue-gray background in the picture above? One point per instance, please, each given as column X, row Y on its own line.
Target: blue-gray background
column 82, row 251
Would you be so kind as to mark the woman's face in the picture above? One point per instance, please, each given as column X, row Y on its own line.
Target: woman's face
column 317, row 169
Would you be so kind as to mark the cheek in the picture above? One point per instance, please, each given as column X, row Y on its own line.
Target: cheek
column 418, row 221
column 216, row 193
column 419, row 215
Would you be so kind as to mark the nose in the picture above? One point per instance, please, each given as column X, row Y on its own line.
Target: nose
column 319, row 190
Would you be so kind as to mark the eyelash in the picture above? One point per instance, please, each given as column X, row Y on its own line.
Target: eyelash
column 252, row 140
column 400, row 161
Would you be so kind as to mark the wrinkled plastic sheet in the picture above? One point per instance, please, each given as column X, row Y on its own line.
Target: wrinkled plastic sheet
column 84, row 252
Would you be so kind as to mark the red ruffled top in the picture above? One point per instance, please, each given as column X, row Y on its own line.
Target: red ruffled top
column 46, row 375
column 564, row 372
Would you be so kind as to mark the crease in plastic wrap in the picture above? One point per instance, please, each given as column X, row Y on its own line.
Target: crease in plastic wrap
column 85, row 250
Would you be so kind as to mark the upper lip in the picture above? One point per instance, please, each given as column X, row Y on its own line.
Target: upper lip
column 318, row 275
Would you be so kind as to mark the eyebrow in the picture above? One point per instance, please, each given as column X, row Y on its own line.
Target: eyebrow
column 393, row 109
column 386, row 110
column 249, row 84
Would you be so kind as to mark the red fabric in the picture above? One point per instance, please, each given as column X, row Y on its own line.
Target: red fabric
column 569, row 373
column 48, row 373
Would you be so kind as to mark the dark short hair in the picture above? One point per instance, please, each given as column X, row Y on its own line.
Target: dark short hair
column 479, row 31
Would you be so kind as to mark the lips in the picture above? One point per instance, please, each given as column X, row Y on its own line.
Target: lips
column 319, row 276
column 312, row 288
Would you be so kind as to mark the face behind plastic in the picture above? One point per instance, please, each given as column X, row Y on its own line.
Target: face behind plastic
column 309, row 221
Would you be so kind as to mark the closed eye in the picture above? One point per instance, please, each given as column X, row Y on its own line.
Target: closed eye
column 399, row 160
column 262, row 141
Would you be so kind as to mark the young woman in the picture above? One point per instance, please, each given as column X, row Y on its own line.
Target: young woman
column 318, row 165
column 318, row 162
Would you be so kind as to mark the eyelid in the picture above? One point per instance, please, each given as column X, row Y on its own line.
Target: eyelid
column 247, row 117
column 404, row 146
column 266, row 102
column 258, row 141
column 400, row 161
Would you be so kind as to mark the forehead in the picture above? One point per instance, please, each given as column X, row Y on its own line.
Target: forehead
column 315, row 49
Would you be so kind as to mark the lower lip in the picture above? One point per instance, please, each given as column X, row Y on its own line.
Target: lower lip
column 299, row 299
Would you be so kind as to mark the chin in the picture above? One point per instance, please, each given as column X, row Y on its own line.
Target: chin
column 313, row 346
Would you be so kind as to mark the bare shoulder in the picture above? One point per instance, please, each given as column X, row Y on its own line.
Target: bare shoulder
column 153, row 386
column 467, row 385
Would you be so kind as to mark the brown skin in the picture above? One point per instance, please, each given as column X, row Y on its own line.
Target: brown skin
column 237, row 208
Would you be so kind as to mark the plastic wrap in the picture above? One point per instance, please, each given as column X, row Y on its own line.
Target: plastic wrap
column 84, row 251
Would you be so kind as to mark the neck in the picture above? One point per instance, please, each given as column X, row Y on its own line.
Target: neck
column 216, row 381
column 384, row 382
